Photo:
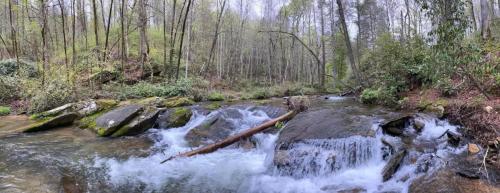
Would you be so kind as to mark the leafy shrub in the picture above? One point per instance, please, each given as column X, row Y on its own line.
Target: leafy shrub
column 9, row 88
column 146, row 89
column 54, row 94
column 370, row 96
column 260, row 93
column 4, row 110
column 215, row 96
column 446, row 87
column 379, row 95
column 10, row 67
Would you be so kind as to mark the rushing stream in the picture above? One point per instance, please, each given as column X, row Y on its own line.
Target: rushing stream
column 72, row 159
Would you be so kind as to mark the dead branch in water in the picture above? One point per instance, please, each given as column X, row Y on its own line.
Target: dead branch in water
column 232, row 139
column 295, row 104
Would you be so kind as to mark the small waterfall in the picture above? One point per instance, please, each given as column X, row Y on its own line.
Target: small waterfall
column 323, row 157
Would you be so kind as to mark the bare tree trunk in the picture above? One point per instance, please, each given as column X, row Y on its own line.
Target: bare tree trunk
column 13, row 32
column 107, row 31
column 165, row 67
column 473, row 15
column 323, row 52
column 96, row 28
column 122, row 29
column 214, row 40
column 61, row 6
column 485, row 20
column 348, row 42
column 73, row 29
column 182, row 39
column 44, row 39
column 143, row 22
column 172, row 38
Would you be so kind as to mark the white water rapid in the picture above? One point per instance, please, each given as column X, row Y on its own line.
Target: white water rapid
column 352, row 164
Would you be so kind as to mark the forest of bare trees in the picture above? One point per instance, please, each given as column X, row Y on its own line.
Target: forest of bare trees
column 321, row 43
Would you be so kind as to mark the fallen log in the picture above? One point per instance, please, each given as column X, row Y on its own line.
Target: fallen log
column 232, row 139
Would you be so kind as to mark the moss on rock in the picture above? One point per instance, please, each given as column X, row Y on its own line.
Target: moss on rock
column 215, row 96
column 4, row 111
column 213, row 106
column 178, row 102
column 179, row 116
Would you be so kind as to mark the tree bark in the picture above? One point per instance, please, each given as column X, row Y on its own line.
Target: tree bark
column 323, row 46
column 232, row 139
column 96, row 28
column 13, row 32
column 107, row 31
column 485, row 20
column 144, row 47
column 61, row 6
column 182, row 39
column 214, row 40
column 348, row 42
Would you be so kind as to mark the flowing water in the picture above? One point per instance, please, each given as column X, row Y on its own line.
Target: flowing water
column 73, row 160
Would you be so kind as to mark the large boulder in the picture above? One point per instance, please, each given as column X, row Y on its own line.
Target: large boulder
column 115, row 119
column 104, row 76
column 324, row 124
column 61, row 120
column 175, row 117
column 139, row 124
column 397, row 126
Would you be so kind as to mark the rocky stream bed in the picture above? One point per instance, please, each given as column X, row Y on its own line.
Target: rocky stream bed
column 337, row 145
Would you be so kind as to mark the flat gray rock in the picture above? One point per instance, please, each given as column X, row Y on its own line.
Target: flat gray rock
column 113, row 120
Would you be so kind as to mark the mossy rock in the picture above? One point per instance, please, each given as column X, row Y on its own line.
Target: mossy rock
column 435, row 109
column 4, row 111
column 216, row 96
column 179, row 116
column 178, row 102
column 139, row 124
column 104, row 76
column 61, row 120
column 152, row 101
column 111, row 121
column 213, row 106
column 105, row 104
column 53, row 112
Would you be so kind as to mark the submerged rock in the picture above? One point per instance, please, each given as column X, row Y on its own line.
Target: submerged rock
column 113, row 120
column 393, row 165
column 139, row 124
column 61, row 120
column 176, row 117
column 213, row 128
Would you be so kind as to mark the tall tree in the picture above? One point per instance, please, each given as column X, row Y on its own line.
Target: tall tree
column 216, row 35
column 144, row 44
column 347, row 40
column 182, row 38
column 96, row 28
column 485, row 20
column 107, row 31
column 13, row 32
column 61, row 6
